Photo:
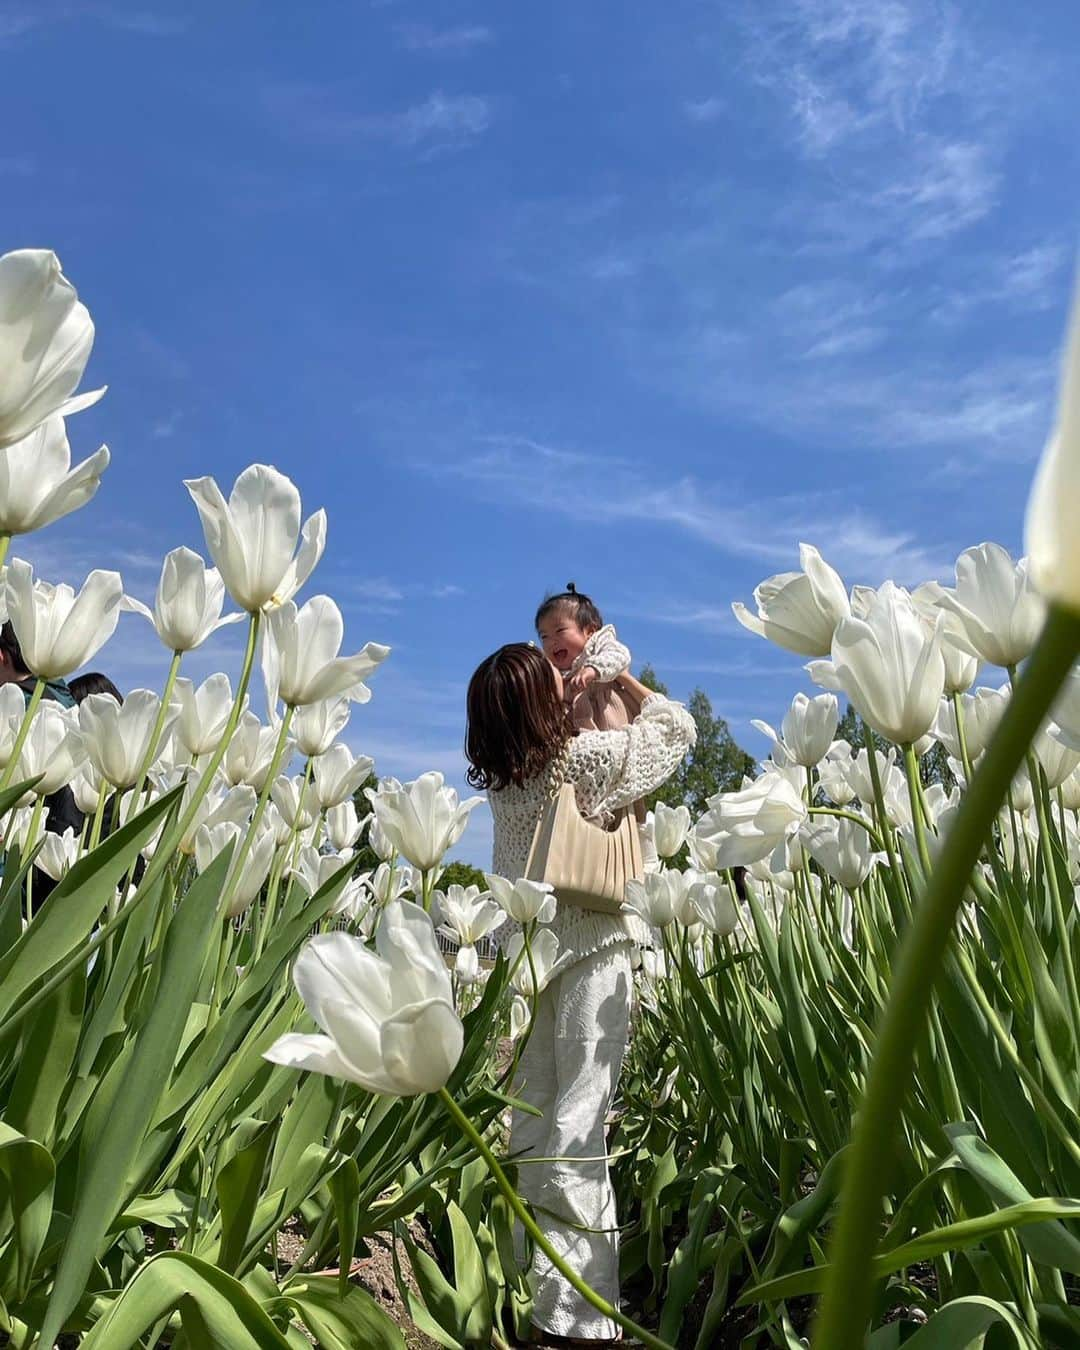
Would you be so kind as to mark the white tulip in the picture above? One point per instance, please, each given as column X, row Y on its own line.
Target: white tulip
column 799, row 610
column 842, row 849
column 961, row 665
column 670, row 827
column 1050, row 534
column 1058, row 760
column 833, row 773
column 253, row 536
column 291, row 799
column 857, row 772
column 657, row 897
column 338, row 776
column 343, row 825
column 422, row 819
column 523, row 900
column 314, row 869
column 301, row 660
column 547, row 961
column 38, row 484
column 981, row 717
column 748, row 825
column 58, row 853
column 467, row 914
column 188, row 604
column 245, row 885
column 379, row 842
column 58, row 630
column 387, row 883
column 808, row 728
column 388, row 1018
column 894, row 790
column 1000, row 611
column 221, row 805
column 86, row 787
column 1070, row 791
column 202, row 713
column 467, row 965
column 355, row 904
column 45, row 341
column 53, row 749
column 117, row 736
column 710, row 897
column 889, row 664
column 317, row 726
column 250, row 753
column 12, row 711
column 520, row 1016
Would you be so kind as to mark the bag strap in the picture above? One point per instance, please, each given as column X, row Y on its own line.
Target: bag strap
column 556, row 773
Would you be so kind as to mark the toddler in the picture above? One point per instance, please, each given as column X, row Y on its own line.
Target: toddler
column 589, row 656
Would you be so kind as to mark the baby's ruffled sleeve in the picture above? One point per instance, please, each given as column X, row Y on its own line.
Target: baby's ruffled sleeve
column 606, row 654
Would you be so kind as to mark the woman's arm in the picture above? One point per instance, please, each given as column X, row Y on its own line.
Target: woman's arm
column 611, row 769
column 640, row 691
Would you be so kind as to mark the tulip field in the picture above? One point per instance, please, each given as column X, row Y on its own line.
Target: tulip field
column 233, row 1060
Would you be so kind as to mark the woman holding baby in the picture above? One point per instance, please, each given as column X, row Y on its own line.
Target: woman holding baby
column 572, row 712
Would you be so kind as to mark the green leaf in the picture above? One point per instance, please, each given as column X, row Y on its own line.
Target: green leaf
column 239, row 1186
column 75, row 906
column 965, row 1323
column 49, row 1042
column 107, row 1154
column 212, row 1305
column 470, row 1277
column 26, row 1192
column 951, row 1237
column 345, row 1189
column 1050, row 1244
column 343, row 1321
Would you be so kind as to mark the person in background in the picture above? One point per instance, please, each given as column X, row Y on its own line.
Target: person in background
column 93, row 682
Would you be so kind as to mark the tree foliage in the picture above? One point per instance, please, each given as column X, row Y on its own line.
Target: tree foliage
column 717, row 763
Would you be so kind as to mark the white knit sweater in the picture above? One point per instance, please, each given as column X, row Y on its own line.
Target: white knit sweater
column 609, row 770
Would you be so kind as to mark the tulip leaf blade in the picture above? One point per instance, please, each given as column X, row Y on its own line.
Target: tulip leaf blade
column 109, row 1150
column 74, row 907
column 211, row 1303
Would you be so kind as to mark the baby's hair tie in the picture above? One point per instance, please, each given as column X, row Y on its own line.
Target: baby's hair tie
column 571, row 588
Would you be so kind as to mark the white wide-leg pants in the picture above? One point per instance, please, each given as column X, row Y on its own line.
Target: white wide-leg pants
column 570, row 1071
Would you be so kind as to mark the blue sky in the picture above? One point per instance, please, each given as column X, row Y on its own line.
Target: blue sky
column 636, row 295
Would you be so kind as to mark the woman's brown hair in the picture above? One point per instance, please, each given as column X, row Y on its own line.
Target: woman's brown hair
column 517, row 722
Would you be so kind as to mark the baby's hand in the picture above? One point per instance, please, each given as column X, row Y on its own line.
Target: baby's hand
column 580, row 681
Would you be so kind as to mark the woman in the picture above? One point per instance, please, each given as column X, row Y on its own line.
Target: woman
column 520, row 743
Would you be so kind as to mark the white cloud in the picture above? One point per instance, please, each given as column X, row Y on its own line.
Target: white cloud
column 610, row 491
column 704, row 109
column 420, row 37
column 441, row 122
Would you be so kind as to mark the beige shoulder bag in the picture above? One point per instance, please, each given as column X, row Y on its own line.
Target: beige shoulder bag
column 587, row 865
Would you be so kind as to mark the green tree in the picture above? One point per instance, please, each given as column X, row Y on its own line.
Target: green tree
column 458, row 873
column 717, row 763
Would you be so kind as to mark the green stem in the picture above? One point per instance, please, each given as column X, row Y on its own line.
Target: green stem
column 918, row 820
column 155, row 736
column 850, row 1289
column 24, row 731
column 586, row 1291
column 875, row 838
column 879, row 798
column 5, row 543
column 961, row 735
column 1038, row 791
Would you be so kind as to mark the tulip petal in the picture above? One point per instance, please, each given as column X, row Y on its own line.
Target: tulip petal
column 317, row 1054
column 421, row 1045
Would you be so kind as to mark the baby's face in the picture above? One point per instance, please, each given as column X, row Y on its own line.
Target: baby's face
column 562, row 639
